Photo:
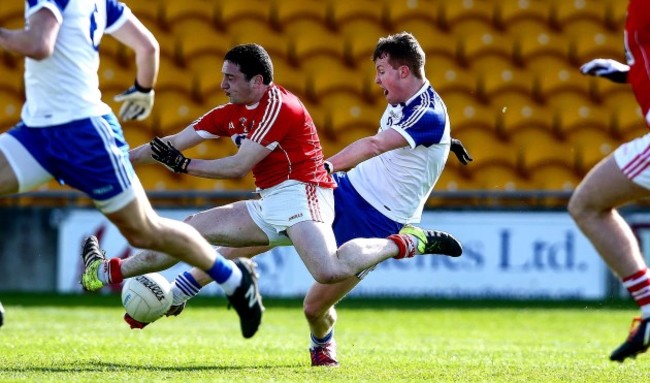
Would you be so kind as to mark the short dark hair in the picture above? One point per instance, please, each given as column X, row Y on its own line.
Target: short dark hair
column 253, row 60
column 401, row 49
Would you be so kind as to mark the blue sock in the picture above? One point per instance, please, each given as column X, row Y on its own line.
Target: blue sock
column 221, row 270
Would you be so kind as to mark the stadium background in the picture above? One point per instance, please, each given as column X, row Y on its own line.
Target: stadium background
column 508, row 71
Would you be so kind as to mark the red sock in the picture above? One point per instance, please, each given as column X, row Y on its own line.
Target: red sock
column 114, row 271
column 405, row 245
column 638, row 284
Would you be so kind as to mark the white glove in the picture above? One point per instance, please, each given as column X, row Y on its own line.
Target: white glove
column 608, row 68
column 136, row 105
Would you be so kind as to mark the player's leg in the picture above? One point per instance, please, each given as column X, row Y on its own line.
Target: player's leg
column 319, row 310
column 235, row 224
column 188, row 284
column 217, row 225
column 593, row 207
column 240, row 284
column 312, row 240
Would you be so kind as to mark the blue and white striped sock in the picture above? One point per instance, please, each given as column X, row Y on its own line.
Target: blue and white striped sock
column 184, row 287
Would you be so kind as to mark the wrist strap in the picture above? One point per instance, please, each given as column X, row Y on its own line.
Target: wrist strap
column 140, row 88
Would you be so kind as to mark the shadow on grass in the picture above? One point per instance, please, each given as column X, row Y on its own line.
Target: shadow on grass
column 98, row 366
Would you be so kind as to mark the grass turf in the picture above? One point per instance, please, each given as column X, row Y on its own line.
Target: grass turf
column 50, row 338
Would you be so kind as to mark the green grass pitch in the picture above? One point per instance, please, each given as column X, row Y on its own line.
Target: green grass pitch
column 48, row 338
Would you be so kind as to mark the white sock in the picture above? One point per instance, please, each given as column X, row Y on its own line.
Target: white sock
column 103, row 273
column 234, row 280
column 416, row 243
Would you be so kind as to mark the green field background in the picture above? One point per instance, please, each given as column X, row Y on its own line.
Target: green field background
column 81, row 338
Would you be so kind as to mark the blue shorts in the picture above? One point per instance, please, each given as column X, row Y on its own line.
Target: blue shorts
column 356, row 218
column 90, row 155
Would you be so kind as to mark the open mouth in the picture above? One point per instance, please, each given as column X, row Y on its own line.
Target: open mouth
column 385, row 92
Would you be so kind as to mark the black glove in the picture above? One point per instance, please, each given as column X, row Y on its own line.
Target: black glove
column 460, row 151
column 607, row 68
column 328, row 167
column 168, row 155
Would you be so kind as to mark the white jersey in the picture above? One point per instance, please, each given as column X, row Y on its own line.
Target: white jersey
column 398, row 182
column 65, row 86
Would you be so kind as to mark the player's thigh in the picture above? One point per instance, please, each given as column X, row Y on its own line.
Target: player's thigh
column 315, row 244
column 135, row 218
column 229, row 225
column 604, row 187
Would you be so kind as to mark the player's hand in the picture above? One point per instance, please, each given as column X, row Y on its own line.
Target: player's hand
column 607, row 68
column 459, row 150
column 168, row 155
column 136, row 103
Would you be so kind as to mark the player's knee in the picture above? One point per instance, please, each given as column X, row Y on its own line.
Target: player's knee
column 578, row 209
column 574, row 208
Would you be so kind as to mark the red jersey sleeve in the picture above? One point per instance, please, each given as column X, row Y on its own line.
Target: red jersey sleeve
column 214, row 123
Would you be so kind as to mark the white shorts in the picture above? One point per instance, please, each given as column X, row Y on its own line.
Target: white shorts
column 287, row 204
column 633, row 158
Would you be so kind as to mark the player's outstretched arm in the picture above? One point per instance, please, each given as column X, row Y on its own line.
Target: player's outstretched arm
column 363, row 149
column 607, row 68
column 137, row 101
column 185, row 139
column 249, row 154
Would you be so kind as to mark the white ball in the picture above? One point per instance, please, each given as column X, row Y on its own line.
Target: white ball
column 148, row 297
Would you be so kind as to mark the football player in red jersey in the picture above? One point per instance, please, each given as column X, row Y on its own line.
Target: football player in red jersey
column 622, row 177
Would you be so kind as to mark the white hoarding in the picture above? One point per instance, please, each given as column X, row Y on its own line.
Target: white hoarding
column 523, row 255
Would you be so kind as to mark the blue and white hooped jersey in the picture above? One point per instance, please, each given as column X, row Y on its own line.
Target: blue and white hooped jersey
column 398, row 182
column 65, row 86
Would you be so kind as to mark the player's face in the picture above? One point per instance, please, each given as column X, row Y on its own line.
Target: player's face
column 389, row 79
column 235, row 86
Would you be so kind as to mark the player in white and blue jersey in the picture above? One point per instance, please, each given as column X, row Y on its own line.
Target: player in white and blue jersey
column 68, row 134
column 389, row 175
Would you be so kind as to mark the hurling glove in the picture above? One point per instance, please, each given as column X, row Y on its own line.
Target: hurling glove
column 460, row 151
column 168, row 155
column 608, row 68
column 137, row 103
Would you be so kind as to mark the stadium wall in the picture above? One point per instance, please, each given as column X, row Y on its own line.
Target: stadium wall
column 507, row 255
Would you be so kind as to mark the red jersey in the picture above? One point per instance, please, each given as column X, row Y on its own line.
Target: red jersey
column 637, row 49
column 281, row 123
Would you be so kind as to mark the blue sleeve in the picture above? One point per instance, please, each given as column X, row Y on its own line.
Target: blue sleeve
column 114, row 11
column 425, row 123
column 59, row 4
